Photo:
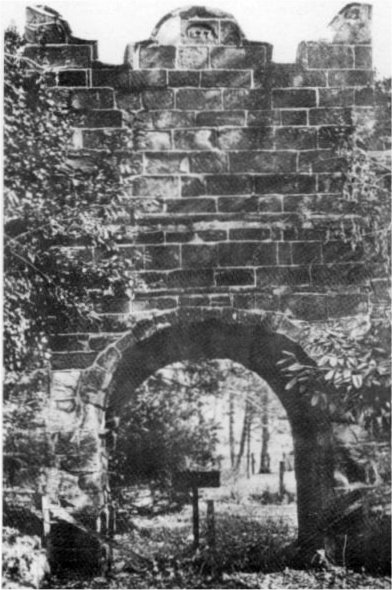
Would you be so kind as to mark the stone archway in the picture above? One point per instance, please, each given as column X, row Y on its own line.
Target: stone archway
column 255, row 341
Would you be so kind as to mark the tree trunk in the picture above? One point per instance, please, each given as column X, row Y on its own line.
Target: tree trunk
column 265, row 436
column 248, row 436
column 231, row 430
column 243, row 437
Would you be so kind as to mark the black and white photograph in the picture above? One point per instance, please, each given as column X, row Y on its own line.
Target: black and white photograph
column 196, row 294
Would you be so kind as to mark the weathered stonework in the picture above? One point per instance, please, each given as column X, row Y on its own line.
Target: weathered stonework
column 234, row 147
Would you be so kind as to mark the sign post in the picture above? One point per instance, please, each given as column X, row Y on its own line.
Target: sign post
column 195, row 480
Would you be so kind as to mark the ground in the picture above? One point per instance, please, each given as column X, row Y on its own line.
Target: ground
column 254, row 544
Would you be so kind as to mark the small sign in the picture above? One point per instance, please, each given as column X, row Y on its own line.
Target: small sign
column 197, row 479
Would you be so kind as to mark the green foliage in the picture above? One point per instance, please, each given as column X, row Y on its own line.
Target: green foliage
column 60, row 249
column 163, row 429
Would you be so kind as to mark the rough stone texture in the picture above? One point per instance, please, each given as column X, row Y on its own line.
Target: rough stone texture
column 235, row 147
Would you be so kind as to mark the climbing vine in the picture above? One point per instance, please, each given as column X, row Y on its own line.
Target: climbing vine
column 62, row 218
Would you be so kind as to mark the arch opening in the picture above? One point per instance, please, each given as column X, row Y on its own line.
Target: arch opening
column 258, row 349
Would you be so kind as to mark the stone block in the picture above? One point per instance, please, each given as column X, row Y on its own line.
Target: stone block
column 64, row 384
column 336, row 97
column 129, row 101
column 211, row 235
column 350, row 78
column 198, row 139
column 162, row 56
column 285, row 184
column 284, row 254
column 157, row 140
column 294, row 117
column 325, row 55
column 346, row 305
column 198, row 99
column 247, row 234
column 85, row 98
column 294, row 98
column 229, row 184
column 263, row 162
column 270, row 204
column 220, row 118
column 194, row 301
column 337, row 250
column 190, row 279
column 299, row 138
column 94, row 380
column 306, row 252
column 286, row 276
column 166, row 163
column 98, row 119
column 235, row 277
column 71, row 56
column 101, row 139
column 212, row 162
column 330, row 183
column 323, row 160
column 364, row 97
column 150, row 237
column 363, row 57
column 180, row 236
column 305, row 307
column 330, row 116
column 179, row 79
column 293, row 76
column 158, row 99
column 192, row 186
column 162, row 257
column 144, row 79
column 172, row 119
column 239, row 58
column 331, row 136
column 72, row 360
column 227, row 78
column 245, row 139
column 199, row 256
column 229, row 33
column 191, row 206
column 241, row 98
column 192, row 58
column 156, row 186
column 237, row 204
column 73, row 78
column 263, row 118
column 247, row 254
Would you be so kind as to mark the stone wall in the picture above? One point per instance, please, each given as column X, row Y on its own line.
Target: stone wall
column 232, row 155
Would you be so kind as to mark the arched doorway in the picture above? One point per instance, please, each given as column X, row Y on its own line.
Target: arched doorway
column 257, row 347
